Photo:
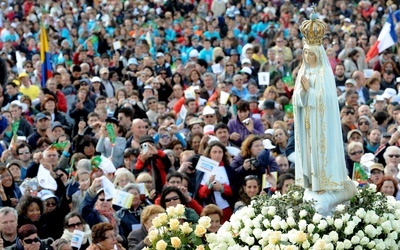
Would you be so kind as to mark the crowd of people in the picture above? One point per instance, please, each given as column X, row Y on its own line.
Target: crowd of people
column 146, row 85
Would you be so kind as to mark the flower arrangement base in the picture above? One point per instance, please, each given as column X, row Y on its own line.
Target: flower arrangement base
column 369, row 220
column 326, row 202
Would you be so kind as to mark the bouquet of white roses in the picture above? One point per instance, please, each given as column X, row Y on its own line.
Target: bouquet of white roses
column 369, row 221
column 168, row 231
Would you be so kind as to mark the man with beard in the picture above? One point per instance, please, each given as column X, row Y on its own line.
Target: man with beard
column 340, row 79
column 43, row 121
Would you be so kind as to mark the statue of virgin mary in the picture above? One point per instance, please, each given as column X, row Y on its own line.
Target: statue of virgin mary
column 320, row 162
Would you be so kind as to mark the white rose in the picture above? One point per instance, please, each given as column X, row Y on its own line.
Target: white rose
column 358, row 248
column 200, row 231
column 364, row 241
column 371, row 244
column 306, row 245
column 361, row 213
column 316, row 218
column 329, row 219
column 334, row 236
column 310, row 228
column 360, row 234
column 338, row 223
column 374, row 218
column 300, row 237
column 386, row 226
column 283, row 225
column 303, row 213
column 355, row 240
column 274, row 237
column 175, row 242
column 275, row 224
column 347, row 244
column 291, row 222
column 302, row 225
column 264, row 210
column 161, row 245
column 315, row 237
column 348, row 230
column 380, row 246
column 163, row 218
column 340, row 208
column 170, row 211
column 180, row 209
column 272, row 211
column 329, row 246
column 322, row 225
column 174, row 224
column 346, row 217
column 290, row 212
column 319, row 245
column 205, row 221
column 371, row 231
column 249, row 241
column 257, row 233
column 266, row 223
column 356, row 220
column 185, row 228
column 339, row 245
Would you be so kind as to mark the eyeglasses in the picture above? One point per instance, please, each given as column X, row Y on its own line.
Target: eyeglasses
column 29, row 67
column 363, row 123
column 349, row 112
column 4, row 176
column 279, row 41
column 113, row 236
column 90, row 146
column 151, row 103
column 103, row 199
column 356, row 152
column 24, row 153
column 147, row 182
column 197, row 92
column 30, row 241
column 84, row 84
column 165, row 137
column 365, row 39
column 209, row 116
column 391, row 156
column 175, row 198
column 74, row 225
column 251, row 177
column 51, row 204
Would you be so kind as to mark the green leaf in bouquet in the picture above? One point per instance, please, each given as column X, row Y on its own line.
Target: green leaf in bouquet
column 111, row 132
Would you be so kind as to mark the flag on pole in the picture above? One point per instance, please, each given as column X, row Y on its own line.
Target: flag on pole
column 45, row 56
column 386, row 39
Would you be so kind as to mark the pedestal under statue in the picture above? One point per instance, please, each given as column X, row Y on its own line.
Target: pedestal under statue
column 320, row 163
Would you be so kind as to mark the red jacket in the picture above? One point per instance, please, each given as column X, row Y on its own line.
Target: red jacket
column 62, row 102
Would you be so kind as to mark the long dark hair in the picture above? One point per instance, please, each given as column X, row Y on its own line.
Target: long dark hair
column 168, row 190
column 212, row 144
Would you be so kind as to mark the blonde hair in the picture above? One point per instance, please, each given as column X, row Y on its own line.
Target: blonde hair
column 149, row 211
column 121, row 173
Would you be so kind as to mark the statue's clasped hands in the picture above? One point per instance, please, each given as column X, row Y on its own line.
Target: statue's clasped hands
column 305, row 83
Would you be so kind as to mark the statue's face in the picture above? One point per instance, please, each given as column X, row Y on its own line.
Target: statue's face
column 310, row 57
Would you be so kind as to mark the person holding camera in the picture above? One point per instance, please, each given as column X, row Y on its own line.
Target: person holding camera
column 243, row 125
column 254, row 159
column 153, row 161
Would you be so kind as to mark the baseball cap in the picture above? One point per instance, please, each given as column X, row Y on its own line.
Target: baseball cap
column 103, row 70
column 208, row 111
column 56, row 125
column 148, row 86
column 96, row 79
column 389, row 93
column 112, row 120
column 368, row 159
column 347, row 20
column 351, row 132
column 269, row 104
column 377, row 166
column 208, row 130
column 234, row 52
column 23, row 74
column 268, row 144
column 351, row 81
column 132, row 61
column 246, row 70
column 379, row 98
column 146, row 138
column 41, row 116
column 159, row 54
column 246, row 60
column 193, row 53
column 46, row 194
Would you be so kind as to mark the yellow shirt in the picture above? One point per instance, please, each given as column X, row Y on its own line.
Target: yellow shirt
column 32, row 91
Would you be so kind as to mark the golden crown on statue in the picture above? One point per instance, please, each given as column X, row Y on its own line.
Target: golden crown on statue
column 313, row 30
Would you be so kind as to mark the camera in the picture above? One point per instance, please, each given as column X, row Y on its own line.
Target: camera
column 246, row 121
column 254, row 162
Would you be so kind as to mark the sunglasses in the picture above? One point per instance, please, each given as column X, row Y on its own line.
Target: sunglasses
column 349, row 112
column 151, row 103
column 74, row 225
column 175, row 198
column 356, row 152
column 251, row 177
column 197, row 93
column 363, row 123
column 103, row 199
column 30, row 241
column 165, row 136
column 209, row 116
column 391, row 156
column 84, row 84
